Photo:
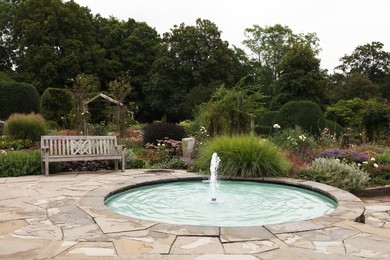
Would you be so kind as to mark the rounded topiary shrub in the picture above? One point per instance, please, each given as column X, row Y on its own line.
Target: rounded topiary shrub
column 18, row 98
column 243, row 156
column 25, row 127
column 161, row 131
column 306, row 114
column 56, row 104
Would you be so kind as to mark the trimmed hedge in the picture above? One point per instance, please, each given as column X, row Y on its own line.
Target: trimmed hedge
column 18, row 98
column 56, row 103
column 306, row 114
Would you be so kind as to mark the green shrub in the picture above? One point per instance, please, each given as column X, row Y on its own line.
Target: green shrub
column 347, row 176
column 18, row 98
column 25, row 127
column 161, row 131
column 56, row 104
column 305, row 114
column 20, row 163
column 246, row 156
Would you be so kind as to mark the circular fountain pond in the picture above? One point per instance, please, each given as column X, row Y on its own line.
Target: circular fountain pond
column 237, row 203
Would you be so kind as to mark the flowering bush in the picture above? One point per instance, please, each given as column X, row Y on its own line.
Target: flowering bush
column 293, row 139
column 346, row 155
column 162, row 152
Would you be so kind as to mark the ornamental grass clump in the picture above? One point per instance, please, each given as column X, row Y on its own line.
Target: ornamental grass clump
column 244, row 156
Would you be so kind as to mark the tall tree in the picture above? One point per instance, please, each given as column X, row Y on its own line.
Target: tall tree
column 193, row 62
column 7, row 10
column 369, row 60
column 131, row 48
column 55, row 42
column 355, row 86
column 269, row 44
column 301, row 77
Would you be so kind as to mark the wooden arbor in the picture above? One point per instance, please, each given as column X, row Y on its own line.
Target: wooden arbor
column 121, row 110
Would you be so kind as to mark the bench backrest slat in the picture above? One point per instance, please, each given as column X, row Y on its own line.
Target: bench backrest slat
column 84, row 145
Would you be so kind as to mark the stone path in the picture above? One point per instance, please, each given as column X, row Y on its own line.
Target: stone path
column 63, row 217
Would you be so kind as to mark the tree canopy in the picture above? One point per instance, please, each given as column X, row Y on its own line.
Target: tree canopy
column 193, row 62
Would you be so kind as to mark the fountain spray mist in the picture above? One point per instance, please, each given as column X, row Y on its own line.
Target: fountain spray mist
column 214, row 176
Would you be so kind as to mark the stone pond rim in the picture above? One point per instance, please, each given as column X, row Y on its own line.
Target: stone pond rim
column 349, row 208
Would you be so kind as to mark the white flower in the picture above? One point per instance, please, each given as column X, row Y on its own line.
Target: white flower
column 276, row 126
column 337, row 159
column 302, row 137
column 372, row 159
column 376, row 165
column 365, row 162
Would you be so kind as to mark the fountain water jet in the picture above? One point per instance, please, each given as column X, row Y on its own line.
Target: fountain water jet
column 214, row 164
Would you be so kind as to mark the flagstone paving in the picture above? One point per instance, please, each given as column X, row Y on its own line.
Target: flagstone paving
column 63, row 216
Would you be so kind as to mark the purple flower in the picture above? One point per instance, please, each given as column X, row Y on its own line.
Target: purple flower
column 347, row 155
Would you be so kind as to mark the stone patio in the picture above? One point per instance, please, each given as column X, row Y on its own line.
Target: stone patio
column 63, row 216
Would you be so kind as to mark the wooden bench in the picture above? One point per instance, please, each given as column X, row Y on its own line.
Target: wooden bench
column 80, row 148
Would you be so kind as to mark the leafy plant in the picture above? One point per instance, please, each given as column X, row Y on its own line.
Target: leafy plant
column 87, row 165
column 98, row 129
column 20, row 163
column 246, row 156
column 7, row 143
column 348, row 176
column 132, row 162
column 25, row 127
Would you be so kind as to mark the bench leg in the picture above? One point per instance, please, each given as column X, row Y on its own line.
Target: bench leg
column 47, row 167
column 116, row 165
column 43, row 167
column 123, row 162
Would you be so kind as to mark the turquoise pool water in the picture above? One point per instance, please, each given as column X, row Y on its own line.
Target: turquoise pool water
column 238, row 203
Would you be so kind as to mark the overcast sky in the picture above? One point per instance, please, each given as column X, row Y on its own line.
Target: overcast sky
column 341, row 25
